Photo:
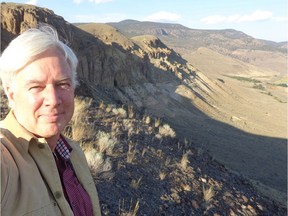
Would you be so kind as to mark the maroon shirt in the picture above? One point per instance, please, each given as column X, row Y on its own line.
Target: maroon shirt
column 75, row 194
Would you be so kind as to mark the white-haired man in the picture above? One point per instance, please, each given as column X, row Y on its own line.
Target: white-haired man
column 42, row 172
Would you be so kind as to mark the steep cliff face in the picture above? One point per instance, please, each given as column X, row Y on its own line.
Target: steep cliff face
column 107, row 59
column 15, row 18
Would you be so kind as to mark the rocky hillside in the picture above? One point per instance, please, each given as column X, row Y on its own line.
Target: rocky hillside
column 219, row 115
column 190, row 100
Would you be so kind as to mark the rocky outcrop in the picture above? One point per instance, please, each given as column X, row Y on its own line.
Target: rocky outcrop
column 106, row 59
column 99, row 64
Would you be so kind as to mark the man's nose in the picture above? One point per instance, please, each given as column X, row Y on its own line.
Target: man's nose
column 52, row 96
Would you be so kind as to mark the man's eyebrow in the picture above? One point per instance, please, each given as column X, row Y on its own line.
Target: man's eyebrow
column 32, row 81
column 38, row 81
column 65, row 79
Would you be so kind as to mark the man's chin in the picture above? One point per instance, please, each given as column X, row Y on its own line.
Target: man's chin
column 50, row 132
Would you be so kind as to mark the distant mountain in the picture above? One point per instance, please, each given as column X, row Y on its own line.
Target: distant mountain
column 227, row 38
column 228, row 42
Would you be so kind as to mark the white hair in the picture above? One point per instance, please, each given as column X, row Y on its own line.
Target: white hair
column 27, row 46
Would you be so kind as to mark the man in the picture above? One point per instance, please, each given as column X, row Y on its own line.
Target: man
column 42, row 172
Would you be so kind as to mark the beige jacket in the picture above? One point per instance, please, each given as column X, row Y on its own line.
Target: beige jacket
column 30, row 183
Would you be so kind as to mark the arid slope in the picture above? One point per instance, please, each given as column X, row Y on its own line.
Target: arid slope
column 240, row 122
column 236, row 111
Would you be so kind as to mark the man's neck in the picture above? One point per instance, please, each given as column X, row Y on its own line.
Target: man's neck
column 52, row 142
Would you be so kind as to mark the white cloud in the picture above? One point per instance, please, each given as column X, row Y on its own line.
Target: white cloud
column 32, row 2
column 99, row 18
column 280, row 19
column 78, row 1
column 258, row 15
column 162, row 15
column 93, row 1
column 100, row 1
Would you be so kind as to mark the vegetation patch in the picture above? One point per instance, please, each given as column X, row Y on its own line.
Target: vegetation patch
column 141, row 167
column 244, row 79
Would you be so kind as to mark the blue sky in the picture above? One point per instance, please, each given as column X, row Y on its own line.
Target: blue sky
column 263, row 19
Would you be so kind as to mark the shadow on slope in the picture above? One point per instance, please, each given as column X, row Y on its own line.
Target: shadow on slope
column 259, row 158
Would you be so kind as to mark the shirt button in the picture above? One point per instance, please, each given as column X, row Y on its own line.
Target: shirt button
column 57, row 194
column 41, row 146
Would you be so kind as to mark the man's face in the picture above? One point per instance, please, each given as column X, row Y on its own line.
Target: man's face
column 42, row 95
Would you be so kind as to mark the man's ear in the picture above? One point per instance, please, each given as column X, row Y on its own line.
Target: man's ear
column 9, row 90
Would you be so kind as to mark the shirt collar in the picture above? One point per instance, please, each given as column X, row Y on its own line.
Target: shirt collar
column 63, row 148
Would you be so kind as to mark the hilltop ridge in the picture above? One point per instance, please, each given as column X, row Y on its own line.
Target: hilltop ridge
column 228, row 42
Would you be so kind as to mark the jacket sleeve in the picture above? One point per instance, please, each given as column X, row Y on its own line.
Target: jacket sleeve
column 8, row 173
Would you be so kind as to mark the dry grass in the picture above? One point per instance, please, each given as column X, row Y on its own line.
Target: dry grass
column 131, row 113
column 131, row 152
column 135, row 183
column 162, row 175
column 208, row 193
column 132, row 210
column 157, row 122
column 104, row 147
column 105, row 142
column 184, row 161
column 79, row 127
column 147, row 119
column 121, row 112
column 97, row 163
column 166, row 131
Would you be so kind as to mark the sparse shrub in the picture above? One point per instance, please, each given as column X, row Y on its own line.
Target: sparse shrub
column 184, row 161
column 147, row 119
column 244, row 79
column 186, row 187
column 208, row 193
column 96, row 162
column 150, row 130
column 144, row 151
column 105, row 142
column 166, row 131
column 79, row 127
column 158, row 136
column 157, row 122
column 132, row 210
column 259, row 86
column 102, row 105
column 167, row 161
column 120, row 112
column 282, row 85
column 80, row 109
column 127, row 123
column 162, row 175
column 186, row 142
column 131, row 113
column 135, row 183
column 109, row 108
column 131, row 152
column 115, row 128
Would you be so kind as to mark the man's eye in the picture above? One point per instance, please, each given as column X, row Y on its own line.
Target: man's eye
column 35, row 87
column 64, row 85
